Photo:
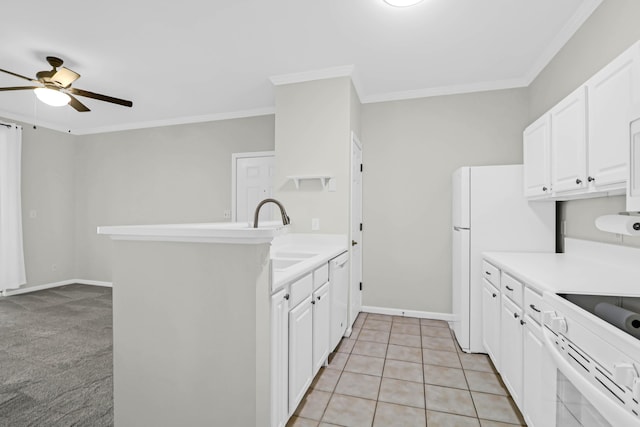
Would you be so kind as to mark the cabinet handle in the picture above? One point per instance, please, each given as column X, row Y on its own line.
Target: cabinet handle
column 353, row 243
column 533, row 307
column 516, row 315
column 578, row 181
column 286, row 296
column 591, row 179
column 494, row 295
column 508, row 288
column 318, row 297
column 522, row 322
column 488, row 273
column 544, row 188
column 313, row 302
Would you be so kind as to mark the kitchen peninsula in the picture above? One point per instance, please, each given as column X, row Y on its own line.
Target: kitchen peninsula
column 191, row 322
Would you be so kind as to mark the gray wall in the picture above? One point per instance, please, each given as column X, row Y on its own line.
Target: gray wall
column 410, row 150
column 611, row 29
column 48, row 179
column 313, row 138
column 173, row 174
column 159, row 175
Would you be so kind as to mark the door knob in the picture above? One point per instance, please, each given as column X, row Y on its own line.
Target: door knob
column 353, row 243
column 591, row 179
column 578, row 181
column 544, row 188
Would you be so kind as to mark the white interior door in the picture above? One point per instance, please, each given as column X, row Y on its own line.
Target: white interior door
column 252, row 182
column 355, row 295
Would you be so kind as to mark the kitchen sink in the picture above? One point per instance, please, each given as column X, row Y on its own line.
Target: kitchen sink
column 294, row 255
column 283, row 264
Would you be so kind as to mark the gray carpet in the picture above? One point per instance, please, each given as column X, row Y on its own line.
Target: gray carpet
column 56, row 358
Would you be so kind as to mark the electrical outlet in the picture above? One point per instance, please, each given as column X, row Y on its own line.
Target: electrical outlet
column 315, row 224
column 227, row 213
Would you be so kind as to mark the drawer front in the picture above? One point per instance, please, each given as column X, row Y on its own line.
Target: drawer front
column 301, row 289
column 512, row 288
column 491, row 273
column 533, row 304
column 320, row 276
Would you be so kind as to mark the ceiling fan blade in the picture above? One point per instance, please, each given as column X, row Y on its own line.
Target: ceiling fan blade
column 65, row 77
column 106, row 98
column 19, row 88
column 79, row 106
column 17, row 75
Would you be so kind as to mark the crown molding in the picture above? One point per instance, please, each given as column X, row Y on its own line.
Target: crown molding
column 444, row 90
column 144, row 125
column 179, row 121
column 307, row 76
column 29, row 121
column 571, row 27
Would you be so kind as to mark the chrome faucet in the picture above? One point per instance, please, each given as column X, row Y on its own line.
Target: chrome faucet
column 283, row 212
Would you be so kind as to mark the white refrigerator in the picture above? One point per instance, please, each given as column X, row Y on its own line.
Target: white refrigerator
column 490, row 213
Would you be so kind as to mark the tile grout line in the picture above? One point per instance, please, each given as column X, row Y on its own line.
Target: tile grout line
column 424, row 373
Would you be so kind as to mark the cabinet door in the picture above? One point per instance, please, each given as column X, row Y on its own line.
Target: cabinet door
column 491, row 322
column 569, row 143
column 321, row 326
column 339, row 300
column 532, row 378
column 537, row 176
column 279, row 358
column 300, row 351
column 611, row 94
column 633, row 189
column 511, row 348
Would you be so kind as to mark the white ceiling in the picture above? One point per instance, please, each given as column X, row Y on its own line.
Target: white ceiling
column 196, row 60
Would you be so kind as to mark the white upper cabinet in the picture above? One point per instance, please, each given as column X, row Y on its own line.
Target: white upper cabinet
column 587, row 136
column 569, row 143
column 537, row 176
column 611, row 94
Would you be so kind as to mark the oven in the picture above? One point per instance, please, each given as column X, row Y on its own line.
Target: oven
column 592, row 366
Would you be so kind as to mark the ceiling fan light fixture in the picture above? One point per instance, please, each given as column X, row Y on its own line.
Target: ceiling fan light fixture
column 402, row 3
column 52, row 97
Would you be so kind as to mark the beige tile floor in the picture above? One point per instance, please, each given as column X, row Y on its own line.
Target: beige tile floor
column 402, row 371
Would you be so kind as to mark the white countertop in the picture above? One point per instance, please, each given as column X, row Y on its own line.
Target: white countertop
column 213, row 232
column 324, row 246
column 585, row 273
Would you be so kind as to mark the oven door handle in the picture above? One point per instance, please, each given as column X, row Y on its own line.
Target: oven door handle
column 614, row 414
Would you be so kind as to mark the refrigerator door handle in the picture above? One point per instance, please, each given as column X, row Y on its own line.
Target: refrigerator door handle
column 460, row 228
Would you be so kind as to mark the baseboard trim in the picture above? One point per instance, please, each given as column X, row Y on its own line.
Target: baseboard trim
column 93, row 283
column 408, row 313
column 29, row 289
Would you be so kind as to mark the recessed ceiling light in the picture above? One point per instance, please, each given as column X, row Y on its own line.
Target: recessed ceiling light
column 402, row 3
column 52, row 97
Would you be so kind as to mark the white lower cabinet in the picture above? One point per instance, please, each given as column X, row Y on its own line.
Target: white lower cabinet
column 524, row 364
column 279, row 358
column 491, row 322
column 300, row 351
column 321, row 326
column 532, row 374
column 511, row 348
column 300, row 340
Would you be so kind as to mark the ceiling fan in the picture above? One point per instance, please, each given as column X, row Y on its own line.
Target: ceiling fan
column 55, row 87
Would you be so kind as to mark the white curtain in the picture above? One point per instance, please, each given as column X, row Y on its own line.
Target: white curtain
column 12, row 272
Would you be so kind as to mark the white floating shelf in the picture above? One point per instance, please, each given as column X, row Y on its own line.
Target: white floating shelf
column 324, row 179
